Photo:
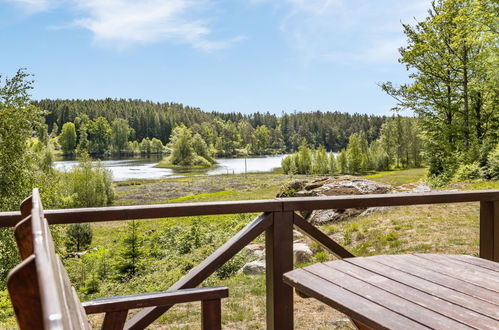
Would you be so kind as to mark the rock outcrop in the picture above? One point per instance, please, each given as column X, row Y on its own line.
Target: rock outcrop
column 332, row 186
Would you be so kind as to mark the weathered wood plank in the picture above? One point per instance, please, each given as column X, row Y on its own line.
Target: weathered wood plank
column 211, row 311
column 114, row 304
column 321, row 238
column 279, row 260
column 116, row 213
column 396, row 284
column 358, row 308
column 114, row 320
column 199, row 273
column 397, row 304
column 427, row 286
column 459, row 264
column 492, row 265
column 357, row 201
column 22, row 284
column 24, row 237
column 489, row 230
column 405, row 265
column 470, row 275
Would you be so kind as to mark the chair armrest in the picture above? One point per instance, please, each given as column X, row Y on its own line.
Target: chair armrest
column 121, row 303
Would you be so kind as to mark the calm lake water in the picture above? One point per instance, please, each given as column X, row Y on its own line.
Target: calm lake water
column 143, row 168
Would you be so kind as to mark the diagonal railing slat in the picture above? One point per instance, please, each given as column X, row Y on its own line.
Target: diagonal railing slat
column 311, row 231
column 207, row 267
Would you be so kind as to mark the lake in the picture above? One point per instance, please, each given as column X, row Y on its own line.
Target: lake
column 143, row 168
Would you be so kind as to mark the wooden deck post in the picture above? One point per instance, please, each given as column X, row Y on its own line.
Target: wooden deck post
column 489, row 230
column 279, row 259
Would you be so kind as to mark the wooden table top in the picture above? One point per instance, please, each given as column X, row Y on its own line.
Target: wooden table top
column 415, row 291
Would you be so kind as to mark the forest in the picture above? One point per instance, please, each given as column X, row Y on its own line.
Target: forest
column 104, row 127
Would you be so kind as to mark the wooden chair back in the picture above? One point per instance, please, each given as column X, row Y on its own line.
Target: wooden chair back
column 39, row 286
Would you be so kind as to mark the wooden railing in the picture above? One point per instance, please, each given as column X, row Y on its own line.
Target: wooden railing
column 277, row 220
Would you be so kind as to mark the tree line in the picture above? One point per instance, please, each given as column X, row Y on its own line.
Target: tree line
column 399, row 146
column 452, row 61
column 119, row 126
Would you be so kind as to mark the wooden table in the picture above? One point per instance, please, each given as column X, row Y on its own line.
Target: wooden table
column 417, row 291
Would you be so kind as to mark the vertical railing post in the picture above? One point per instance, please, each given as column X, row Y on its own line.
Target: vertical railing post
column 279, row 259
column 489, row 230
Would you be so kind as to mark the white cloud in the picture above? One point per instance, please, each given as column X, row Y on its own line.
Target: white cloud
column 122, row 23
column 355, row 31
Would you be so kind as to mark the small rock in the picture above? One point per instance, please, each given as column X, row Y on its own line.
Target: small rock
column 255, row 250
column 302, row 253
column 342, row 322
column 376, row 209
column 254, row 267
column 297, row 234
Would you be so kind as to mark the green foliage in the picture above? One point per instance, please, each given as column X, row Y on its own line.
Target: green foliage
column 355, row 154
column 343, row 162
column 18, row 162
column 18, row 120
column 133, row 251
column 99, row 132
column 452, row 59
column 188, row 150
column 120, row 131
column 320, row 163
column 493, row 163
column 78, row 237
column 67, row 139
column 303, row 159
column 225, row 133
column 231, row 267
column 261, row 140
column 468, row 172
column 90, row 185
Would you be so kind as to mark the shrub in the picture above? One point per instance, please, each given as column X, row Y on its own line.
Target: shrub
column 78, row 237
column 231, row 267
column 493, row 163
column 467, row 172
column 91, row 185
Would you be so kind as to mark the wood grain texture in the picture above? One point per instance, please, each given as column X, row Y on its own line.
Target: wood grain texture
column 279, row 260
column 22, row 284
column 24, row 237
column 361, row 309
column 444, row 280
column 406, row 291
column 114, row 304
column 117, row 213
column 114, row 320
column 489, row 230
column 211, row 311
column 416, row 292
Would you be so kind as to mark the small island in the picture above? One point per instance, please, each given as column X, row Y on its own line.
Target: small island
column 187, row 150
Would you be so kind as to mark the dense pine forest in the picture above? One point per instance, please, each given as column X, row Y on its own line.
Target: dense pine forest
column 225, row 133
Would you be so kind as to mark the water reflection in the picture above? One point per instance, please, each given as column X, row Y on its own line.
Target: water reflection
column 143, row 168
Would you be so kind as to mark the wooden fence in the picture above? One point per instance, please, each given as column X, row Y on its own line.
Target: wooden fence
column 277, row 220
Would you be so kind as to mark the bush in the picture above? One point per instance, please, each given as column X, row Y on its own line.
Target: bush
column 231, row 267
column 90, row 185
column 467, row 172
column 78, row 237
column 493, row 163
column 286, row 164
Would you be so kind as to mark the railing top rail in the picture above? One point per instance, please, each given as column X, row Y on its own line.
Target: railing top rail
column 114, row 213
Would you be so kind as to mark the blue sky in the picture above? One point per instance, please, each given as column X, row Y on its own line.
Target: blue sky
column 219, row 55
